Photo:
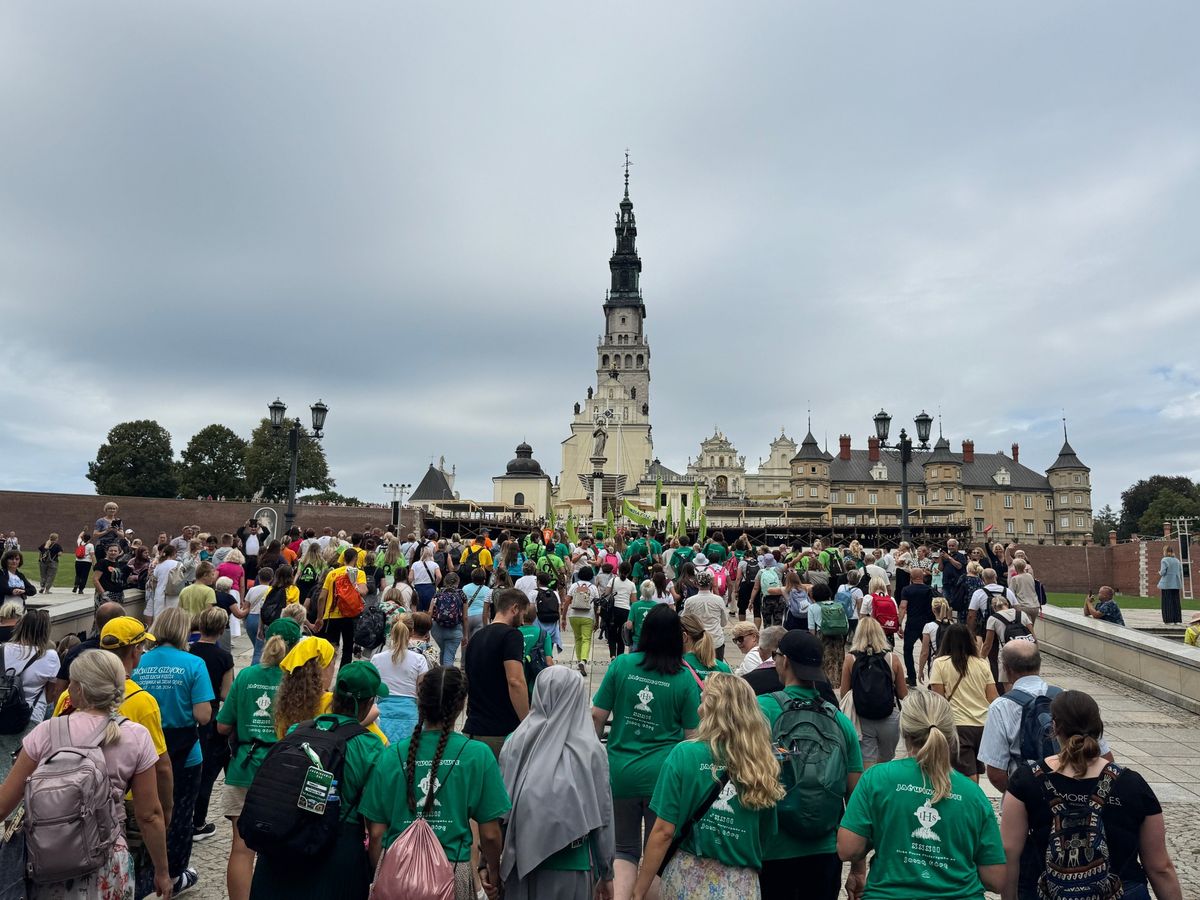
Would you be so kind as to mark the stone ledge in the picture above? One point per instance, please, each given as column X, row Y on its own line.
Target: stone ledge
column 1163, row 668
column 74, row 616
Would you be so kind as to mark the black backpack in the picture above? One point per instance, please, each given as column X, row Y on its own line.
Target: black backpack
column 535, row 661
column 547, row 606
column 751, row 574
column 469, row 565
column 1016, row 629
column 272, row 820
column 15, row 710
column 370, row 627
column 873, row 686
column 942, row 628
column 272, row 606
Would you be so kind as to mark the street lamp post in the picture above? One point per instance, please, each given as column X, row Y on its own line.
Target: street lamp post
column 277, row 410
column 398, row 491
column 904, row 446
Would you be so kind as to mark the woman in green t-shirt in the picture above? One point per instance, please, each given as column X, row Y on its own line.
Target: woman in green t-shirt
column 732, row 768
column 454, row 779
column 700, row 657
column 954, row 852
column 654, row 702
column 248, row 714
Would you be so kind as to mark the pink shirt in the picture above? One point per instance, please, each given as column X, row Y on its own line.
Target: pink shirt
column 130, row 756
column 233, row 572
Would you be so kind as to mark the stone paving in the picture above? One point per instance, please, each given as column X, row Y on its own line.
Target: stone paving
column 1159, row 740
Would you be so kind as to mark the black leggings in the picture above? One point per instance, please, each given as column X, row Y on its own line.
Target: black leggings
column 815, row 877
column 83, row 569
column 342, row 630
column 614, row 631
column 216, row 756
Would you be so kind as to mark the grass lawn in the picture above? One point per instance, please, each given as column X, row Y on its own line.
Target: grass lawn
column 66, row 569
column 1126, row 602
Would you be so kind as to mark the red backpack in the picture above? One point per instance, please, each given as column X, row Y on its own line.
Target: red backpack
column 883, row 611
column 346, row 596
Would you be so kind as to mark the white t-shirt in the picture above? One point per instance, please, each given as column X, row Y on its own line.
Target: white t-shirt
column 401, row 678
column 161, row 571
column 581, row 595
column 255, row 597
column 876, row 571
column 623, row 591
column 252, row 544
column 424, row 572
column 36, row 677
column 527, row 584
column 931, row 629
column 979, row 600
column 856, row 600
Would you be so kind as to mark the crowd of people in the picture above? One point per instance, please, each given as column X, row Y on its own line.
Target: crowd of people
column 412, row 722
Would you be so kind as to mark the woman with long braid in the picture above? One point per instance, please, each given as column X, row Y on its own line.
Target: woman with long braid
column 444, row 777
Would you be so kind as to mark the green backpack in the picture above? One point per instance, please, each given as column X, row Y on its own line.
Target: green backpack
column 811, row 749
column 833, row 619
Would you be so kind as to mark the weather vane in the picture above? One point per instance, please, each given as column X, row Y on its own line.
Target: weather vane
column 628, row 163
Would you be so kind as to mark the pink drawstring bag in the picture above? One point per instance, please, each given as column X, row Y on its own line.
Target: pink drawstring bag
column 415, row 867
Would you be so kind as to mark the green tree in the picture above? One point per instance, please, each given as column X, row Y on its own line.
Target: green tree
column 332, row 497
column 213, row 463
column 1102, row 523
column 135, row 461
column 1167, row 504
column 1137, row 499
column 268, row 462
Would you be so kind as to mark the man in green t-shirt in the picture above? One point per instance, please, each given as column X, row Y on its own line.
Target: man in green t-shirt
column 644, row 552
column 795, row 866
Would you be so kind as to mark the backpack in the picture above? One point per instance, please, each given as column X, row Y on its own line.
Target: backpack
column 545, row 565
column 719, row 581
column 987, row 609
column 1077, row 861
column 346, row 596
column 80, row 551
column 581, row 599
column 751, row 573
column 467, row 568
column 767, row 579
column 535, row 660
column 272, row 606
column 942, row 628
column 285, row 814
column 845, row 598
column 872, row 684
column 1016, row 629
column 370, row 629
column 1036, row 732
column 546, row 602
column 175, row 581
column 15, row 710
column 883, row 611
column 810, row 747
column 1040, row 589
column 834, row 622
column 73, row 813
column 448, row 608
column 794, row 598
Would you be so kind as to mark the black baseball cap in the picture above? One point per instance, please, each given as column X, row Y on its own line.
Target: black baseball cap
column 804, row 652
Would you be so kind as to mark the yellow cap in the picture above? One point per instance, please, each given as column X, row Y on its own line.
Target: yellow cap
column 123, row 631
column 308, row 648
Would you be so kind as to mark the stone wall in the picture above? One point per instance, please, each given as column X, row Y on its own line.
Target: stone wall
column 35, row 515
column 1131, row 568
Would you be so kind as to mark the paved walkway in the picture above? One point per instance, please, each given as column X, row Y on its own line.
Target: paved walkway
column 1159, row 740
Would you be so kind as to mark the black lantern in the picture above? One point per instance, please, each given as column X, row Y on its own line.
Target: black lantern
column 319, row 412
column 924, row 423
column 883, row 422
column 277, row 410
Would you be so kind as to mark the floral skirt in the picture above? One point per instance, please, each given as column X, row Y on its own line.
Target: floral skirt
column 112, row 881
column 689, row 877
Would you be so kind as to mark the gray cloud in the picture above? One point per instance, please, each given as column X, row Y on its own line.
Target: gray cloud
column 405, row 210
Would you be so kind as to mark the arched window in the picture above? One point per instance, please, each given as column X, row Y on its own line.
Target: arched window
column 616, row 360
column 633, row 393
column 518, row 499
column 641, row 361
column 629, row 360
column 604, row 361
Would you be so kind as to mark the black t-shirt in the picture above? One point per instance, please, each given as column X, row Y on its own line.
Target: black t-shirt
column 218, row 660
column 112, row 575
column 765, row 680
column 1132, row 801
column 226, row 601
column 64, row 670
column 489, row 710
column 919, row 598
column 6, row 632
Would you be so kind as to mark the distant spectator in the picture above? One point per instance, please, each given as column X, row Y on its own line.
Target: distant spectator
column 13, row 584
column 1105, row 607
column 1190, row 636
column 48, row 554
column 1170, row 584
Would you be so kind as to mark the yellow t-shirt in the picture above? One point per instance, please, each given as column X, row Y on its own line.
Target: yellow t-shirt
column 327, row 705
column 139, row 706
column 968, row 697
column 331, row 609
column 292, row 594
column 195, row 598
column 1192, row 635
column 485, row 556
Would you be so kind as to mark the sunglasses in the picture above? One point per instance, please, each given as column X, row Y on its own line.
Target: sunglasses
column 739, row 639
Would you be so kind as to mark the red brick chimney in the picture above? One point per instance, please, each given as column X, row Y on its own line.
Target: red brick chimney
column 968, row 451
column 1167, row 530
column 1016, row 452
column 1112, row 539
column 844, row 452
column 873, row 449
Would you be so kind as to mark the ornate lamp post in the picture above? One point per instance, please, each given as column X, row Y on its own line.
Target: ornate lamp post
column 904, row 446
column 277, row 410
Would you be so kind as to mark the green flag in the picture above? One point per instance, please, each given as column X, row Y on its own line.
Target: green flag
column 657, row 495
column 572, row 534
column 635, row 515
column 703, row 529
column 669, row 528
column 610, row 529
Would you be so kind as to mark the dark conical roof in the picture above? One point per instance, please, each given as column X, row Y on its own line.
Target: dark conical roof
column 433, row 486
column 809, row 449
column 524, row 463
column 941, row 453
column 1067, row 459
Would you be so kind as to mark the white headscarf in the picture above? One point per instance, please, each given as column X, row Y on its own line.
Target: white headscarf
column 556, row 772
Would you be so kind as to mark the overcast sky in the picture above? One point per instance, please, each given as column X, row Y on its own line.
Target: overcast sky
column 406, row 209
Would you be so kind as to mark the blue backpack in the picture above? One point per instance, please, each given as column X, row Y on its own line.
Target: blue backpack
column 1037, row 739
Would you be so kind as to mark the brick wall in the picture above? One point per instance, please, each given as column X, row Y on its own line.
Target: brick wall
column 35, row 515
column 1079, row 569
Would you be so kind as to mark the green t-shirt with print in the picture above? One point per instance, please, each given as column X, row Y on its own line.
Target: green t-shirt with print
column 715, row 553
column 637, row 615
column 468, row 784
column 361, row 753
column 530, row 633
column 727, row 832
column 650, row 712
column 785, row 846
column 250, row 708
column 704, row 671
column 923, row 850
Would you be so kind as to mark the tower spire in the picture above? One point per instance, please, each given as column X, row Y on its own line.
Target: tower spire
column 628, row 163
column 1064, row 421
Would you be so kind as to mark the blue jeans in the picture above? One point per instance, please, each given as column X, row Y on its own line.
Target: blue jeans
column 448, row 640
column 425, row 594
column 252, row 622
column 553, row 629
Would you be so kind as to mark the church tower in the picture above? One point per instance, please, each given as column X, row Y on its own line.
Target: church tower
column 622, row 391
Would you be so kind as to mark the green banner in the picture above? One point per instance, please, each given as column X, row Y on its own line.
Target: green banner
column 635, row 515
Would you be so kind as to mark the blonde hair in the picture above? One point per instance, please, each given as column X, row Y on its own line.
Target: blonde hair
column 741, row 629
column 927, row 723
column 99, row 679
column 941, row 609
column 878, row 585
column 274, row 650
column 236, row 557
column 399, row 639
column 295, row 612
column 869, row 637
column 974, row 568
column 212, row 621
column 702, row 642
column 171, row 626
column 737, row 736
column 649, row 591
